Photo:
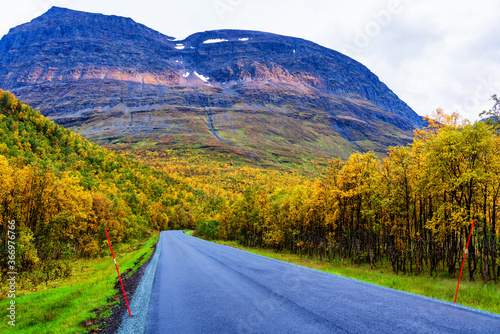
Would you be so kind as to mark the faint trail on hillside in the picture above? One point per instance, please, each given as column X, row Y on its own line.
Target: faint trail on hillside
column 210, row 124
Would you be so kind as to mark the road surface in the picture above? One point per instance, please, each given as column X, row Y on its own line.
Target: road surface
column 202, row 287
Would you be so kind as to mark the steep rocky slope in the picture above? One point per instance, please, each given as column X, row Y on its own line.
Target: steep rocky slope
column 266, row 97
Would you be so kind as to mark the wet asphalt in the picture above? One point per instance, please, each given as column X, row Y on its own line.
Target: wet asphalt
column 202, row 287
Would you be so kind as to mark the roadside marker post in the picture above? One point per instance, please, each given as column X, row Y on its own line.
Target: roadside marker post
column 221, row 231
column 463, row 262
column 123, row 289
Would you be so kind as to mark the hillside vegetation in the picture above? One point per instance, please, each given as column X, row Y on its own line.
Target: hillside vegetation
column 414, row 209
column 62, row 191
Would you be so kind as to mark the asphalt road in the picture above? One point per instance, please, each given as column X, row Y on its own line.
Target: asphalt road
column 202, row 287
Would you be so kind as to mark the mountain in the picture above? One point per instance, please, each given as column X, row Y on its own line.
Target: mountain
column 265, row 97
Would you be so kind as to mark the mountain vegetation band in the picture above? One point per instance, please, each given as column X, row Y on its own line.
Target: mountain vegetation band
column 187, row 123
column 413, row 208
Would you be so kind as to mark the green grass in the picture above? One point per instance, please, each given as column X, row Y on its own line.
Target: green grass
column 62, row 306
column 484, row 296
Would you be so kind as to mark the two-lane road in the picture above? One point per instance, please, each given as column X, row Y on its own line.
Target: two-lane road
column 202, row 287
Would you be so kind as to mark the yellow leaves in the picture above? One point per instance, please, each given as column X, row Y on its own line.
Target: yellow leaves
column 82, row 153
column 159, row 216
column 9, row 103
column 438, row 120
column 448, row 219
column 27, row 251
column 399, row 243
column 71, row 197
column 91, row 248
column 7, row 176
column 26, row 146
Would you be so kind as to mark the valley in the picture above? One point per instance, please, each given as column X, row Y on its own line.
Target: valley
column 270, row 143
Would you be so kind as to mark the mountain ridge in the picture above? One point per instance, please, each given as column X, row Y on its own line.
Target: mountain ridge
column 116, row 81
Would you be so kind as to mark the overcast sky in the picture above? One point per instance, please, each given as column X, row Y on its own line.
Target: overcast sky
column 430, row 53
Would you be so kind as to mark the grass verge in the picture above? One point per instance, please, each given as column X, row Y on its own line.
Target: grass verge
column 484, row 296
column 62, row 306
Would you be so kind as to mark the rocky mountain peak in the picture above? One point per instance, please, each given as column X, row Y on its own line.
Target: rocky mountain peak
column 101, row 75
column 60, row 22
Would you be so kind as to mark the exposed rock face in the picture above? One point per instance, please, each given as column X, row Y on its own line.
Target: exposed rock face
column 263, row 95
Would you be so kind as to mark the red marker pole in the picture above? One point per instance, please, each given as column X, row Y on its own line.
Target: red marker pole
column 463, row 262
column 123, row 289
column 221, row 231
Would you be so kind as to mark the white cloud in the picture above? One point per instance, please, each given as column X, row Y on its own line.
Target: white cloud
column 432, row 54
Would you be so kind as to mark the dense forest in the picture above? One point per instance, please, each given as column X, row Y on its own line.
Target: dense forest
column 413, row 208
column 62, row 191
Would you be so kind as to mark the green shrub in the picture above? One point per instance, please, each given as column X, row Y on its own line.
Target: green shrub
column 208, row 229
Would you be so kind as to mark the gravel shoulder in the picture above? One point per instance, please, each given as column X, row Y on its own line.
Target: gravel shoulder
column 139, row 303
column 111, row 324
